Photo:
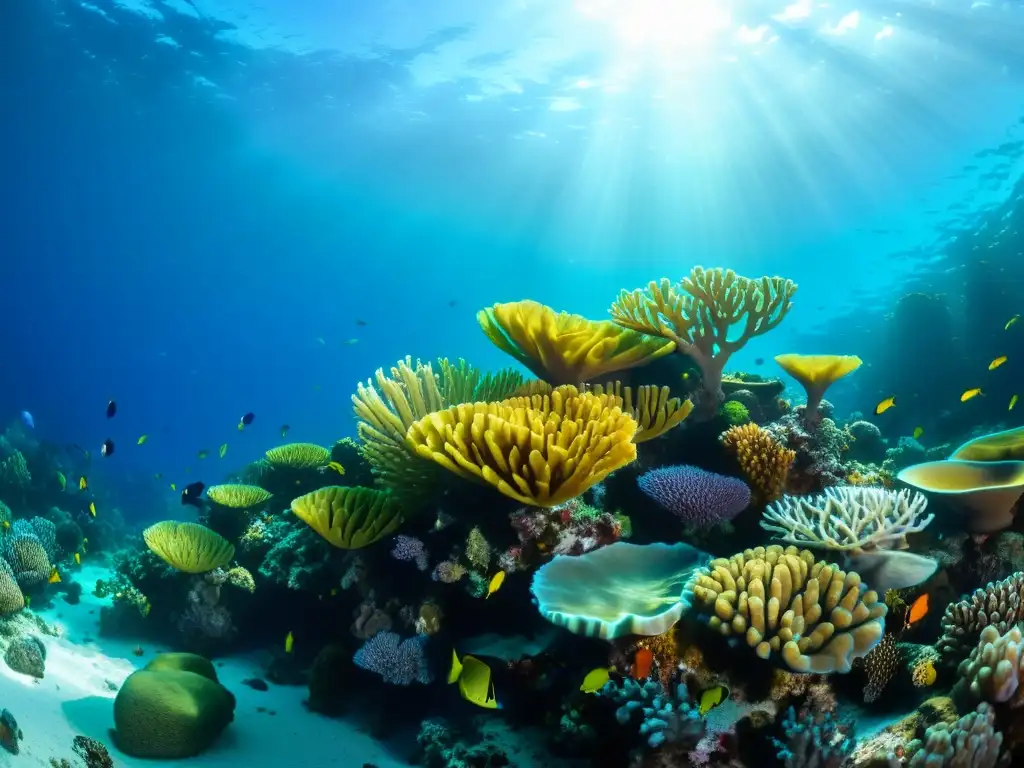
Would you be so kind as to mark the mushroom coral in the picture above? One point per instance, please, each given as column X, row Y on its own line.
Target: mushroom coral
column 188, row 547
column 567, row 349
column 618, row 590
column 349, row 517
column 698, row 313
column 998, row 446
column 986, row 490
column 816, row 373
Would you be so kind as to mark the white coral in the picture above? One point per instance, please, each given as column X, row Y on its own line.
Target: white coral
column 848, row 519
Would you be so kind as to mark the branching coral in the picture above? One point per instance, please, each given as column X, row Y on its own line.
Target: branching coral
column 349, row 518
column 654, row 410
column 698, row 313
column 666, row 718
column 815, row 740
column 848, row 519
column 998, row 605
column 188, row 547
column 815, row 615
column 462, row 383
column 762, row 459
column 397, row 661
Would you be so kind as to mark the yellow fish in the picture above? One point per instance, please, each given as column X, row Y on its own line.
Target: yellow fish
column 970, row 394
column 54, row 576
column 92, row 508
column 289, row 642
column 685, row 376
column 997, row 362
column 142, row 439
column 174, row 486
column 712, row 697
column 496, row 581
column 885, row 405
column 595, row 680
column 474, row 679
column 83, row 484
column 62, row 481
column 202, row 454
column 78, row 559
column 84, row 542
column 336, row 467
column 223, row 450
column 1013, row 402
column 918, row 431
column 1011, row 322
column 6, row 524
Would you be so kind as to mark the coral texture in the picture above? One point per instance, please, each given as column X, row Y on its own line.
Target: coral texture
column 998, row 604
column 188, row 547
column 397, row 661
column 349, row 518
column 694, row 495
column 763, row 460
column 971, row 742
column 665, row 718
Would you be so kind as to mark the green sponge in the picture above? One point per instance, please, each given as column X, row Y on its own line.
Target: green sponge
column 173, row 708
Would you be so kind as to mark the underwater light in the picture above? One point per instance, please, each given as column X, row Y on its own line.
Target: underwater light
column 660, row 23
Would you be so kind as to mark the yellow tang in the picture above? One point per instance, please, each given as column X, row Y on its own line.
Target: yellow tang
column 336, row 467
column 918, row 431
column 223, row 450
column 92, row 508
column 174, row 486
column 289, row 642
column 496, row 581
column 82, row 483
column 595, row 680
column 997, row 362
column 474, row 679
column 54, row 576
column 885, row 405
column 712, row 697
column 1013, row 402
column 78, row 559
column 970, row 394
column 142, row 439
column 1010, row 323
column 61, row 480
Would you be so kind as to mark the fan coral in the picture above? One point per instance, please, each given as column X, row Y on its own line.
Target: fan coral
column 763, row 460
column 397, row 661
column 188, row 547
column 667, row 719
column 971, row 742
column 781, row 601
column 695, row 496
column 349, row 518
column 881, row 666
column 998, row 605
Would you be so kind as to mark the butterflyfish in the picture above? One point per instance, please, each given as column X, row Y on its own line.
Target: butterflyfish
column 970, row 394
column 474, row 679
column 190, row 495
column 336, row 467
column 107, row 449
column 289, row 642
column 54, row 576
column 495, row 584
column 78, row 559
column 918, row 431
column 712, row 697
column 594, row 680
column 246, row 420
column 997, row 362
column 92, row 508
column 885, row 405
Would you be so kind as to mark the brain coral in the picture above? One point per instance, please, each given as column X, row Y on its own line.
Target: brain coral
column 817, row 616
column 11, row 598
column 27, row 558
column 694, row 495
column 27, row 655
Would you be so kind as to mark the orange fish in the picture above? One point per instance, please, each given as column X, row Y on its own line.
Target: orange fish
column 642, row 662
column 918, row 610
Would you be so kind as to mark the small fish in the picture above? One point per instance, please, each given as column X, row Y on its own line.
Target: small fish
column 336, row 467
column 759, row 361
column 203, row 453
column 350, row 342
column 918, row 610
column 84, row 542
column 594, row 680
column 27, row 420
column 685, row 376
column 6, row 525
column 361, row 323
column 78, row 559
column 918, row 431
column 246, row 420
column 284, row 430
column 289, row 642
column 452, row 302
column 192, row 492
column 142, row 440
column 997, row 362
column 885, row 405
column 28, row 601
column 222, row 450
column 174, row 486
column 474, row 679
column 83, row 483
column 1013, row 402
column 320, row 340
column 108, row 448
column 1011, row 322
column 712, row 697
column 642, row 663
column 54, row 576
column 111, row 409
column 62, row 481
column 138, row 650
column 970, row 394
column 495, row 584
column 92, row 508
column 158, row 475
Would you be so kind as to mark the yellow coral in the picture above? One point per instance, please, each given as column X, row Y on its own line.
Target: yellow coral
column 763, row 460
column 299, row 456
column 349, row 518
column 478, row 551
column 654, row 411
column 567, row 349
column 816, row 616
column 238, row 495
column 816, row 373
column 543, row 450
column 241, row 578
column 462, row 383
column 188, row 547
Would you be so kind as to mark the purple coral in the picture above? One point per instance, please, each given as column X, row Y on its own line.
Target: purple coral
column 411, row 549
column 696, row 496
column 399, row 662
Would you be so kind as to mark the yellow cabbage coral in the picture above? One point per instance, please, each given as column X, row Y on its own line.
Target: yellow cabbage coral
column 299, row 456
column 567, row 349
column 349, row 517
column 654, row 410
column 816, row 616
column 542, row 450
column 188, row 547
column 763, row 460
column 238, row 495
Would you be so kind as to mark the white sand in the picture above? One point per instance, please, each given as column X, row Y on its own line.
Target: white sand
column 74, row 698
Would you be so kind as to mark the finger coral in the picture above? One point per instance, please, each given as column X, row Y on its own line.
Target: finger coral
column 567, row 349
column 970, row 742
column 763, row 460
column 298, row 456
column 654, row 410
column 694, row 495
column 698, row 313
column 188, row 547
column 542, row 451
column 349, row 518
column 818, row 617
column 998, row 604
column 993, row 670
column 238, row 495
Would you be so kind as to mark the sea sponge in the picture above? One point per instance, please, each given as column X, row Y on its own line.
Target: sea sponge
column 298, row 456
column 818, row 617
column 172, row 708
column 27, row 655
column 567, row 349
column 986, row 490
column 698, row 313
column 617, row 590
column 653, row 410
column 11, row 598
column 880, row 667
column 238, row 495
column 541, row 451
column 763, row 460
column 998, row 605
column 349, row 517
column 816, row 373
column 735, row 413
column 188, row 547
column 241, row 577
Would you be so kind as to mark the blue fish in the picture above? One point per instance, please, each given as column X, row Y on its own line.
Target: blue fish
column 27, row 418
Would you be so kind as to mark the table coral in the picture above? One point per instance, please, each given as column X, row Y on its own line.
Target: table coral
column 763, row 460
column 816, row 373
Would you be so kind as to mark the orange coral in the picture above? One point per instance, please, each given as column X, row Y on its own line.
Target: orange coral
column 764, row 461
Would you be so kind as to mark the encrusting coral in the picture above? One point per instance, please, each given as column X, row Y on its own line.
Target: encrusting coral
column 188, row 547
column 349, row 518
column 763, row 460
column 818, row 617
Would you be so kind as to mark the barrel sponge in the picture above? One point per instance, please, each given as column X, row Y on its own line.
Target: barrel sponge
column 299, row 456
column 188, row 547
column 238, row 495
column 618, row 590
column 542, row 450
column 349, row 517
column 11, row 598
column 167, row 713
column 816, row 616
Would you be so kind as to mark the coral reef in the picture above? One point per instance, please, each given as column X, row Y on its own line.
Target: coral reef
column 971, row 742
column 696, row 496
column 397, row 661
column 997, row 605
column 763, row 460
column 664, row 718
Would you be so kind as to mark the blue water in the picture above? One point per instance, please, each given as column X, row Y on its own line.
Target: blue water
column 192, row 201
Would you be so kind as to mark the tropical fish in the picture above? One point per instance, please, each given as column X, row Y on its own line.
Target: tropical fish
column 495, row 584
column 350, row 342
column 78, row 559
column 62, row 481
column 1011, row 322
column 759, row 361
column 142, row 439
column 203, row 453
column 83, row 483
column 223, row 450
column 289, row 642
column 594, row 680
column 158, row 475
column 885, row 405
column 1013, row 402
column 474, row 679
column 918, row 431
column 174, row 486
column 918, row 610
column 111, row 409
column 27, row 420
column 138, row 650
column 6, row 525
column 28, row 601
column 192, row 492
column 336, row 467
column 685, row 376
column 997, row 362
column 970, row 394
column 712, row 697
column 361, row 322
column 246, row 420
column 284, row 429
column 643, row 660
column 107, row 448
column 54, row 576
column 92, row 508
